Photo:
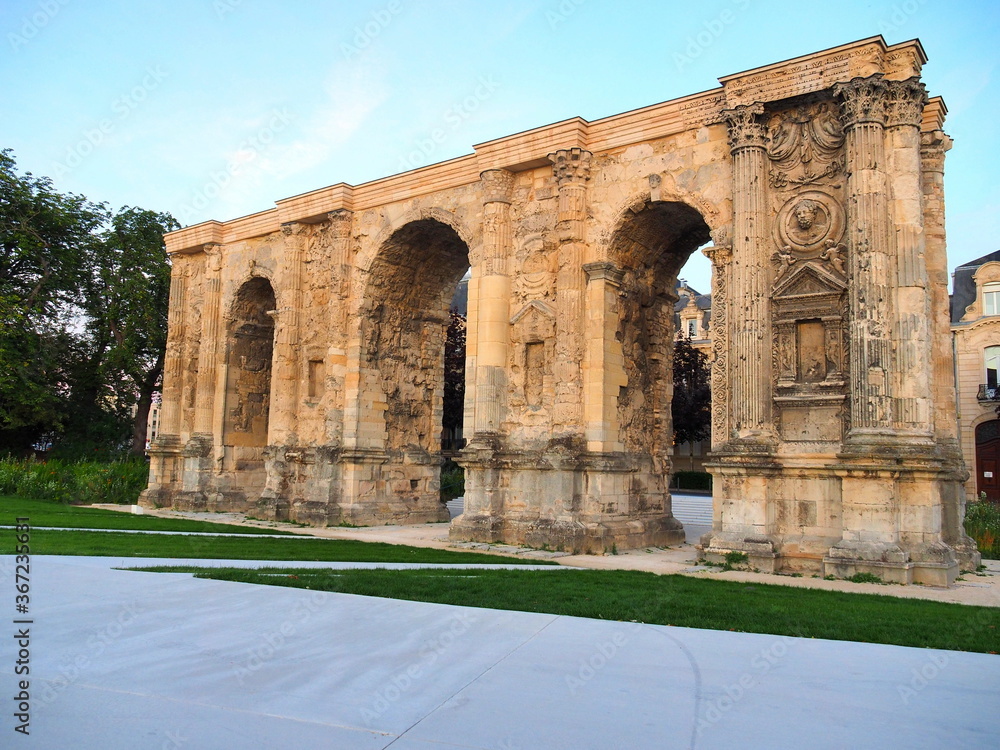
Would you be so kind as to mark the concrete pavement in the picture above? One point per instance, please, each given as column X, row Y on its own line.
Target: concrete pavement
column 122, row 659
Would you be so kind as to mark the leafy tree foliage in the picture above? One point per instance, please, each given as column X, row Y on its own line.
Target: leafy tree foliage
column 454, row 372
column 83, row 300
column 692, row 401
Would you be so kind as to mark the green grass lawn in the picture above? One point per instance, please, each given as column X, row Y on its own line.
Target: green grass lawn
column 664, row 600
column 43, row 513
column 105, row 544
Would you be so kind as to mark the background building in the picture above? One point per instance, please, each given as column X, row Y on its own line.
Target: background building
column 975, row 326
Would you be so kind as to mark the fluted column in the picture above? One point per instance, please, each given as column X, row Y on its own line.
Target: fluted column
column 750, row 328
column 913, row 365
column 205, row 398
column 170, row 415
column 493, row 318
column 721, row 257
column 341, row 223
column 934, row 145
column 285, row 373
column 572, row 171
column 871, row 262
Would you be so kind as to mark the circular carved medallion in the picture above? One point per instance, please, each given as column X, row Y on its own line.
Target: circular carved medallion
column 808, row 220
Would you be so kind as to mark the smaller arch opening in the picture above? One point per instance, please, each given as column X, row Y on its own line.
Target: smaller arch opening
column 250, row 347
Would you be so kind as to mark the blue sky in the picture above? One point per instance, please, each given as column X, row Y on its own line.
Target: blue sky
column 213, row 109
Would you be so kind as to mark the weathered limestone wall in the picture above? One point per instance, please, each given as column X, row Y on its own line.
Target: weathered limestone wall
column 817, row 180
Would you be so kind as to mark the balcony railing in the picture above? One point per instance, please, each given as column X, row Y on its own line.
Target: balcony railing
column 989, row 392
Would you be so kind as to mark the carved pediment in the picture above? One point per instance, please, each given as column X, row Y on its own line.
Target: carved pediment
column 807, row 279
column 535, row 306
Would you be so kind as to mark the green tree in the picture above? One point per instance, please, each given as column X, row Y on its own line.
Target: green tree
column 83, row 311
column 454, row 373
column 691, row 406
column 126, row 302
column 45, row 240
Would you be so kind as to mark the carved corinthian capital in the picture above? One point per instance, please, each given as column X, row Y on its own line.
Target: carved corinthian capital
column 571, row 165
column 746, row 129
column 293, row 228
column 905, row 102
column 340, row 222
column 498, row 185
column 862, row 100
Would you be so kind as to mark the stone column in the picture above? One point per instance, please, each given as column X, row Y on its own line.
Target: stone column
column 749, row 327
column 572, row 171
column 871, row 262
column 933, row 147
column 604, row 362
column 170, row 416
column 913, row 365
column 721, row 257
column 493, row 319
column 205, row 398
column 165, row 452
column 285, row 373
column 341, row 222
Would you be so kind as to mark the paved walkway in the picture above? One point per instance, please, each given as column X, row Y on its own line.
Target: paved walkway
column 981, row 589
column 128, row 660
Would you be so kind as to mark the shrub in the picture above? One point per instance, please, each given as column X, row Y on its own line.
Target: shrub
column 80, row 482
column 452, row 481
column 982, row 523
column 692, row 480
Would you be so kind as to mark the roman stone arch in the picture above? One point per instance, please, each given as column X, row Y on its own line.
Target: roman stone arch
column 401, row 321
column 818, row 181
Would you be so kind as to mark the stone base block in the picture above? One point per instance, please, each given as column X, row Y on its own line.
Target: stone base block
column 759, row 549
column 315, row 513
column 394, row 512
column 931, row 565
column 580, row 537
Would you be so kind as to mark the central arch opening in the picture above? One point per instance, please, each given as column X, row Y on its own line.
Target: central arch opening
column 651, row 245
column 406, row 316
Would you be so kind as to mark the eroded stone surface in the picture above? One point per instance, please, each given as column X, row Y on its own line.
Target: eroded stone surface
column 818, row 182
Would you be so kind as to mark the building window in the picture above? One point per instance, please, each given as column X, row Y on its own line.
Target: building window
column 991, row 299
column 992, row 357
column 692, row 329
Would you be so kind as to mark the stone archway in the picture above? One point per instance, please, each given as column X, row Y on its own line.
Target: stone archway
column 403, row 319
column 834, row 446
column 649, row 247
column 249, row 355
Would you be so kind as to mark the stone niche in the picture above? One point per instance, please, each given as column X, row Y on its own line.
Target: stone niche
column 808, row 313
